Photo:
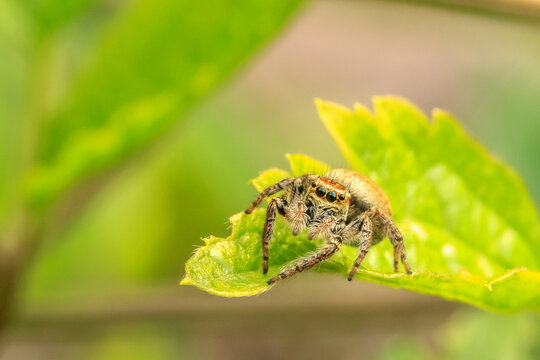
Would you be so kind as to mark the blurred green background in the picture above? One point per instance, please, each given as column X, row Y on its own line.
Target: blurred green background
column 129, row 130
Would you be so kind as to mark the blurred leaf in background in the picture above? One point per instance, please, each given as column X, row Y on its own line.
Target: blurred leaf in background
column 450, row 199
column 88, row 84
column 149, row 64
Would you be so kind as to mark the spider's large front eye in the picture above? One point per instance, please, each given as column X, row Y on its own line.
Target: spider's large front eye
column 331, row 196
column 320, row 191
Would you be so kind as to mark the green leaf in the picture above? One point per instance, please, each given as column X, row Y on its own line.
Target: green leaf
column 153, row 62
column 470, row 228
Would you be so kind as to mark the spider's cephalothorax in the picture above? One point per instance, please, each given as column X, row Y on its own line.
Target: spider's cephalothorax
column 342, row 206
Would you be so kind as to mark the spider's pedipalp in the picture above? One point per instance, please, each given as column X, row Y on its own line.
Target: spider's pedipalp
column 297, row 214
column 322, row 228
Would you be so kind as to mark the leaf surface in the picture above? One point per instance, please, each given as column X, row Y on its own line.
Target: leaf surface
column 471, row 230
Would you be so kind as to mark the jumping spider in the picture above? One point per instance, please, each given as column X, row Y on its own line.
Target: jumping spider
column 342, row 206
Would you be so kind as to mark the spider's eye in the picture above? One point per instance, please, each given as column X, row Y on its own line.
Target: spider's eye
column 313, row 184
column 331, row 196
column 341, row 197
column 320, row 191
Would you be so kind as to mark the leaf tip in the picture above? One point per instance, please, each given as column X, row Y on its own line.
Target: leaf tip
column 361, row 110
column 436, row 112
column 327, row 107
column 377, row 99
column 390, row 105
column 185, row 281
column 440, row 115
column 381, row 100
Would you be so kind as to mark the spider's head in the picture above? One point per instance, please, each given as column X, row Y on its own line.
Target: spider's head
column 330, row 195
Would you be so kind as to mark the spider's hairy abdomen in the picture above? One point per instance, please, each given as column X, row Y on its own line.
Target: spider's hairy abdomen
column 365, row 193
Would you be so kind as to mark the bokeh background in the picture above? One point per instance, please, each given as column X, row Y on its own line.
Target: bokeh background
column 103, row 284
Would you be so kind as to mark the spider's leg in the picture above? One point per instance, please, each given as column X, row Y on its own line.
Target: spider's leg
column 363, row 226
column 324, row 253
column 271, row 190
column 396, row 239
column 268, row 230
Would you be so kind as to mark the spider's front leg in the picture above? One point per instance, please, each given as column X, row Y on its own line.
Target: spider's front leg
column 268, row 230
column 279, row 204
column 324, row 253
column 271, row 190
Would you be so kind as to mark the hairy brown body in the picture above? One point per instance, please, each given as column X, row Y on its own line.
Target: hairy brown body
column 342, row 206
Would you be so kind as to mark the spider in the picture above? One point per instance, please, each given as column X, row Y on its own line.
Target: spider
column 342, row 206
